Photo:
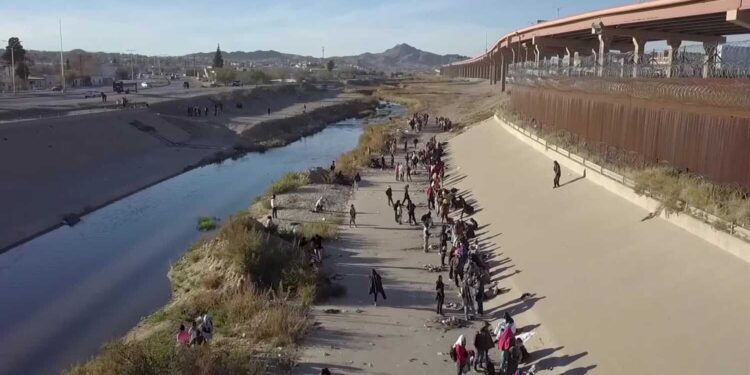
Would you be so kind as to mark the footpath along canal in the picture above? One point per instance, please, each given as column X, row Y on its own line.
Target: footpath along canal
column 67, row 292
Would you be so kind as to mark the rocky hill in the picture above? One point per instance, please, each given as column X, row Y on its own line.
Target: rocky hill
column 400, row 58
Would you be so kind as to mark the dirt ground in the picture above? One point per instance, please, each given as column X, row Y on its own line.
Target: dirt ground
column 609, row 294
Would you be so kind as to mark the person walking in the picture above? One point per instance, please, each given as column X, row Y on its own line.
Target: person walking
column 410, row 208
column 398, row 207
column 408, row 172
column 460, row 355
column 443, row 245
column 406, row 193
column 425, row 237
column 439, row 294
column 274, row 207
column 398, row 170
column 479, row 296
column 376, row 286
column 357, row 180
column 382, row 163
column 352, row 216
column 389, row 194
column 468, row 299
column 556, row 169
column 482, row 344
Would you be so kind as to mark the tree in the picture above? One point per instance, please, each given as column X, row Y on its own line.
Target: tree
column 225, row 75
column 16, row 54
column 22, row 70
column 330, row 65
column 218, row 60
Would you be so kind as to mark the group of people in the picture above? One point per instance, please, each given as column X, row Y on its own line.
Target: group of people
column 196, row 111
column 418, row 121
column 313, row 249
column 503, row 337
column 467, row 266
column 200, row 332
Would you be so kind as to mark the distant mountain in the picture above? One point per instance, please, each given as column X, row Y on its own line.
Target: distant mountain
column 402, row 57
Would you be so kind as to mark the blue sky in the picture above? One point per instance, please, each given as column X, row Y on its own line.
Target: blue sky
column 344, row 27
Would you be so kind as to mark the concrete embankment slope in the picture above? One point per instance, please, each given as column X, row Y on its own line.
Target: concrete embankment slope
column 53, row 167
column 625, row 296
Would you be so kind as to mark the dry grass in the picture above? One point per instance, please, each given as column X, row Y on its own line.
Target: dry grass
column 327, row 230
column 289, row 182
column 255, row 286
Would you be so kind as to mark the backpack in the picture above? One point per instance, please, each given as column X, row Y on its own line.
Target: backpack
column 452, row 353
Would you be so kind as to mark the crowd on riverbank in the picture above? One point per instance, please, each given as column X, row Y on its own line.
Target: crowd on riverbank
column 456, row 243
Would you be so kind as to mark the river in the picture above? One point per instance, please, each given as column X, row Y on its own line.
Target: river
column 67, row 292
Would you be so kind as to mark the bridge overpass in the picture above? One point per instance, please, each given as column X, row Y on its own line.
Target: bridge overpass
column 624, row 29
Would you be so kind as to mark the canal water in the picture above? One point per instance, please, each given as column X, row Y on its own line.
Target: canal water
column 64, row 294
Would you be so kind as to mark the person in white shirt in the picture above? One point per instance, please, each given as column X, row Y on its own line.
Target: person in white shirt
column 274, row 207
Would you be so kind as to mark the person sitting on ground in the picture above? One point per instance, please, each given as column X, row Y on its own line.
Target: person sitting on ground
column 183, row 337
column 269, row 224
column 207, row 327
column 196, row 336
column 319, row 205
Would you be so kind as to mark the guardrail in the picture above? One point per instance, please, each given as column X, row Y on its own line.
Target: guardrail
column 735, row 230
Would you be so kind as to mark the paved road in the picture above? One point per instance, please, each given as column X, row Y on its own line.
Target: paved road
column 46, row 101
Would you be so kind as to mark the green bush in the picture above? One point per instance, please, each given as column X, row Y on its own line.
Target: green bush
column 206, row 223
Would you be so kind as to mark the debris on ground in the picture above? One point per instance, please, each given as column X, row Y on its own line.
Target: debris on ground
column 454, row 306
column 434, row 268
column 452, row 322
column 331, row 311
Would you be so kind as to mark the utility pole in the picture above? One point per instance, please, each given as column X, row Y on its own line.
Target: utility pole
column 62, row 65
column 132, row 77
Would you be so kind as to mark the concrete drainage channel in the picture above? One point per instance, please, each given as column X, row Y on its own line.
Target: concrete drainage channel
column 736, row 241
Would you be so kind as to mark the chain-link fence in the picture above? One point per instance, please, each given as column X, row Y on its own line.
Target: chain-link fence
column 728, row 60
column 728, row 69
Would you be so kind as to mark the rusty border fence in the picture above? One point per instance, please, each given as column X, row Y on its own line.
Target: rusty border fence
column 735, row 229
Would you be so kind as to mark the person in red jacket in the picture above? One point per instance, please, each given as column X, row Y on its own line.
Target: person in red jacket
column 462, row 356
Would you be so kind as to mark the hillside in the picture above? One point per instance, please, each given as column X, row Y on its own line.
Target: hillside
column 401, row 57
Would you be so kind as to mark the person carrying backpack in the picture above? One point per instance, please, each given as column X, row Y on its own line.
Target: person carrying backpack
column 460, row 355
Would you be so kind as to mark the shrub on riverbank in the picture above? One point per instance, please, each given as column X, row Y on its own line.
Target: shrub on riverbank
column 289, row 182
column 253, row 285
column 372, row 142
column 206, row 223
